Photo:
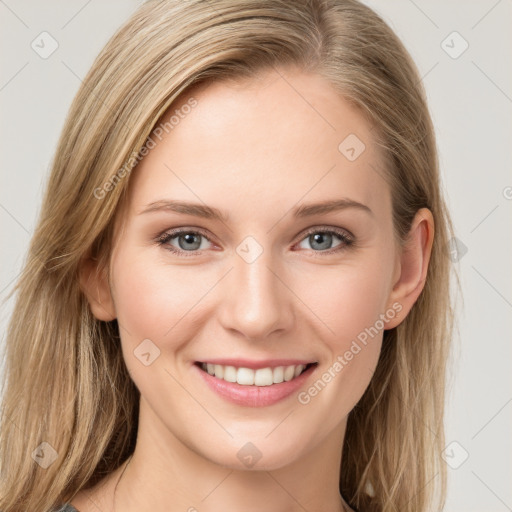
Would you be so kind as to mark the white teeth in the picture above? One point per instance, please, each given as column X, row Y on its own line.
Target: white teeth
column 263, row 377
column 245, row 376
column 250, row 377
column 289, row 372
column 230, row 373
column 219, row 371
column 278, row 375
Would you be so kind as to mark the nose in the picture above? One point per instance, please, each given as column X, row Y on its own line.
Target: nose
column 256, row 301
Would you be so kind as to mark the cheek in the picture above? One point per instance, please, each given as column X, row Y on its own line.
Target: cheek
column 353, row 350
column 350, row 300
column 346, row 299
column 151, row 298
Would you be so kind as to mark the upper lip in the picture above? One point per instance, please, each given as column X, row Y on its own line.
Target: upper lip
column 255, row 365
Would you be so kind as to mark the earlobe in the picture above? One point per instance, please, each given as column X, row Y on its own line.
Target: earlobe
column 95, row 285
column 414, row 262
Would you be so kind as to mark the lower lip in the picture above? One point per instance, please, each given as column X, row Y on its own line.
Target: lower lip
column 254, row 396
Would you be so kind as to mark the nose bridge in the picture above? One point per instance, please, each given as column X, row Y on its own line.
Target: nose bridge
column 258, row 302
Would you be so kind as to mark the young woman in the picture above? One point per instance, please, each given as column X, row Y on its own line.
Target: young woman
column 237, row 294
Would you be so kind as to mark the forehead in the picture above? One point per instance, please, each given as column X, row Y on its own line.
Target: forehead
column 261, row 145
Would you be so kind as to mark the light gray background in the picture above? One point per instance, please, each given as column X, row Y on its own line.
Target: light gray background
column 471, row 103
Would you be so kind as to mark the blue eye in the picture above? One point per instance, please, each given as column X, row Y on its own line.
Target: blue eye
column 190, row 242
column 324, row 238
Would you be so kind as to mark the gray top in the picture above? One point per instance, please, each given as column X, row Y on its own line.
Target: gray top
column 66, row 508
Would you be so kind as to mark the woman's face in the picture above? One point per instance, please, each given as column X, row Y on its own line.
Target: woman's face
column 269, row 282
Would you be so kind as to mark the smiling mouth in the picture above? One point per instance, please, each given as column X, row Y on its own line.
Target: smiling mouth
column 249, row 377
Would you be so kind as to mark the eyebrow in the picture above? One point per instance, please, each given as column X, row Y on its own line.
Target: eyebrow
column 209, row 212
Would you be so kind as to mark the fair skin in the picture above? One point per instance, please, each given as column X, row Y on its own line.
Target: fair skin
column 255, row 150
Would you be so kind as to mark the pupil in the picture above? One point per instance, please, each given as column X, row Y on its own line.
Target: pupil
column 324, row 239
column 189, row 239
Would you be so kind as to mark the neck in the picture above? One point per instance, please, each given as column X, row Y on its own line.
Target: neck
column 164, row 473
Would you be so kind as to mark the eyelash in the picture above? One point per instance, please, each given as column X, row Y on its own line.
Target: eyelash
column 346, row 239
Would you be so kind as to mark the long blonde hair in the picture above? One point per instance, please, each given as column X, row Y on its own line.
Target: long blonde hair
column 65, row 380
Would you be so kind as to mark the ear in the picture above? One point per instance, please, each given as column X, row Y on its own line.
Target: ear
column 412, row 265
column 95, row 285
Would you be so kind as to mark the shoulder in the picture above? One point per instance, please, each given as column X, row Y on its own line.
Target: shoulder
column 93, row 499
column 66, row 507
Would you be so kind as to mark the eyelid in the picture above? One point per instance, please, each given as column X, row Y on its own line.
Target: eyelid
column 167, row 235
column 327, row 229
column 171, row 233
column 346, row 236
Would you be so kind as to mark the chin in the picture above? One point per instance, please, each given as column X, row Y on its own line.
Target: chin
column 257, row 454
